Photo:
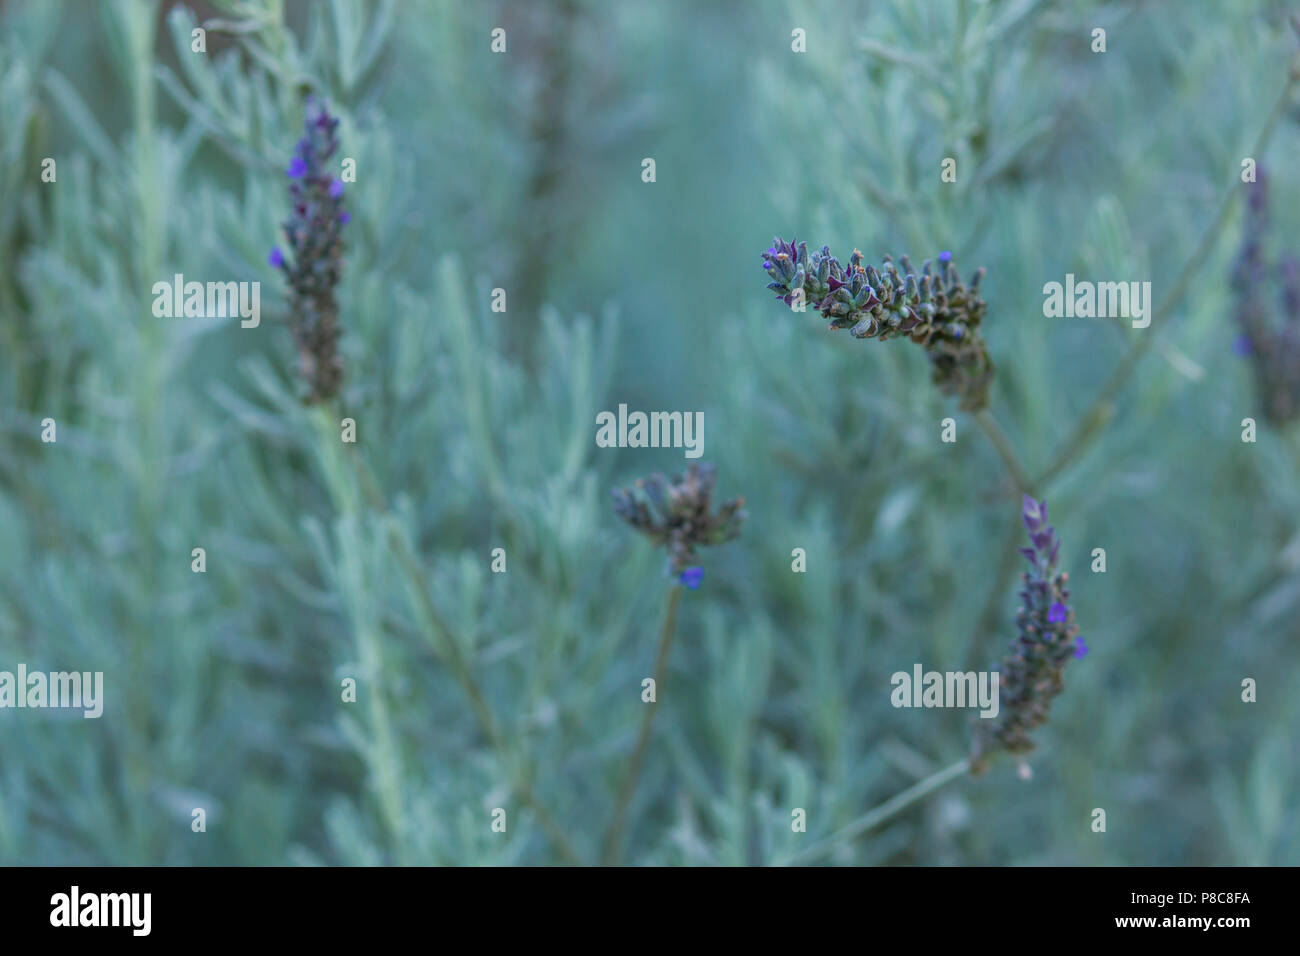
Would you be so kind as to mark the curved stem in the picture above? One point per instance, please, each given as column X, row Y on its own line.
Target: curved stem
column 1102, row 408
column 984, row 418
column 873, row 818
column 614, row 836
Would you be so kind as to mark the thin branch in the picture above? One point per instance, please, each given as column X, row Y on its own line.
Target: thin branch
column 614, row 836
column 1102, row 409
column 900, row 58
column 988, row 618
column 1005, row 450
column 887, row 810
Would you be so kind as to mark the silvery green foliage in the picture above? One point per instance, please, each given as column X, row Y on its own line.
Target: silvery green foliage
column 225, row 687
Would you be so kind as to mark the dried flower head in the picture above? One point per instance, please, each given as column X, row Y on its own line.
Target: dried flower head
column 1033, row 670
column 933, row 308
column 676, row 514
column 314, row 231
column 1269, row 333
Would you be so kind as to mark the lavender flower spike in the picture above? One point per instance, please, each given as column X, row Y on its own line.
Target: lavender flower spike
column 1268, row 328
column 676, row 515
column 933, row 308
column 315, row 240
column 1033, row 670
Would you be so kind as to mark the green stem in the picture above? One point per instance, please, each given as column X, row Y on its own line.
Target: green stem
column 984, row 418
column 614, row 836
column 1102, row 408
column 383, row 756
column 448, row 649
column 1002, row 577
column 887, row 810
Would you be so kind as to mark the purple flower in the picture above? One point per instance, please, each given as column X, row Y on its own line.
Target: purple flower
column 1034, row 667
column 945, row 256
column 336, row 189
column 313, row 262
column 1080, row 648
column 345, row 217
column 1033, row 512
column 692, row 577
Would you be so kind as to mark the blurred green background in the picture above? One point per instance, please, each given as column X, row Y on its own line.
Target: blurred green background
column 522, row 170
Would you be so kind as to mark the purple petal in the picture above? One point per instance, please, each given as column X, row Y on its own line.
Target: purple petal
column 276, row 258
column 336, row 189
column 1031, row 512
column 692, row 577
column 297, row 168
column 1057, row 613
column 1080, row 648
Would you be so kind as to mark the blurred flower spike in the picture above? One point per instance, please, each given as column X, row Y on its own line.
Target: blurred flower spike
column 677, row 515
column 1266, row 308
column 314, row 265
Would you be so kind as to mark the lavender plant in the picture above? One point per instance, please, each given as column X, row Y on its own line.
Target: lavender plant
column 678, row 516
column 371, row 561
column 942, row 315
column 1034, row 671
column 1031, row 676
